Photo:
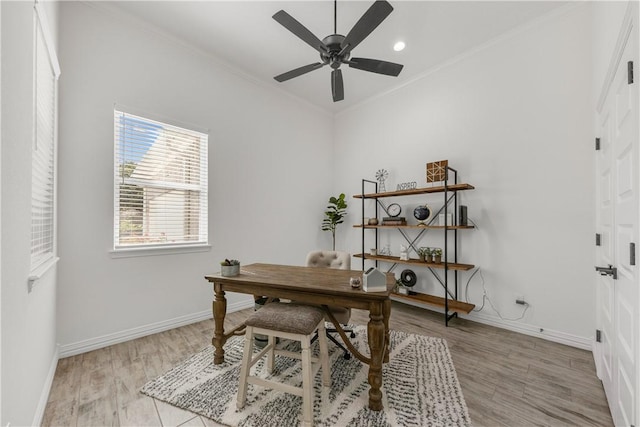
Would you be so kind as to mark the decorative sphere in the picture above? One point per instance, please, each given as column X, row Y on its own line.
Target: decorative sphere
column 422, row 212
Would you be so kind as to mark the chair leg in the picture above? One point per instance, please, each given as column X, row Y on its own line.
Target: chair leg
column 247, row 356
column 271, row 353
column 307, row 383
column 347, row 355
column 324, row 355
column 331, row 330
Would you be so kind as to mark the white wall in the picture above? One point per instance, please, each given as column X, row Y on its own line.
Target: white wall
column 515, row 119
column 28, row 319
column 270, row 160
column 607, row 20
column 1, row 212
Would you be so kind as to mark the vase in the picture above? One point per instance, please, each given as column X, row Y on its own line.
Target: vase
column 229, row 270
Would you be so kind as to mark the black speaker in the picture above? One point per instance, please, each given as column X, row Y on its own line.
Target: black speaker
column 463, row 215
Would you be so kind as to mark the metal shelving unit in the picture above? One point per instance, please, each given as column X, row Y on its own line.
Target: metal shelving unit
column 450, row 303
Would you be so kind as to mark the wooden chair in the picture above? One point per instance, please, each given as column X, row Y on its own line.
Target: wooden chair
column 290, row 321
column 339, row 260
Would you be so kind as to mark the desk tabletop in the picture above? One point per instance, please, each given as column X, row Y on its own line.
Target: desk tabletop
column 327, row 281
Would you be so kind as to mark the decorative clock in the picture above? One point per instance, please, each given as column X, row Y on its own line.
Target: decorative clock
column 394, row 209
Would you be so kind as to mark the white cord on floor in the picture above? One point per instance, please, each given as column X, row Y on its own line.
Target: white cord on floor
column 485, row 297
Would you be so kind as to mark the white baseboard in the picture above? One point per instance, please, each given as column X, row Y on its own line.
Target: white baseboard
column 523, row 328
column 142, row 331
column 118, row 337
column 46, row 389
column 532, row 330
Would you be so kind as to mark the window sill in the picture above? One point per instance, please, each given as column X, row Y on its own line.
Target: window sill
column 136, row 252
column 41, row 270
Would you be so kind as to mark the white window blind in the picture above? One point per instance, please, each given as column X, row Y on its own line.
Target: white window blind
column 44, row 146
column 160, row 184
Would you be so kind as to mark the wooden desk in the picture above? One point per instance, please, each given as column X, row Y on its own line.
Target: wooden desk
column 322, row 286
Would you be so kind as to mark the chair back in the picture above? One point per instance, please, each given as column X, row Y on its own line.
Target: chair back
column 329, row 259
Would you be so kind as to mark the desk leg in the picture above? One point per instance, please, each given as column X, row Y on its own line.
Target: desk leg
column 386, row 313
column 376, row 332
column 219, row 311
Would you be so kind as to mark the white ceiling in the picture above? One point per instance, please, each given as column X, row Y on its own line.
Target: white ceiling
column 243, row 34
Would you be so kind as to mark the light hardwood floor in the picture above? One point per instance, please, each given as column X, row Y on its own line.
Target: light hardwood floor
column 508, row 379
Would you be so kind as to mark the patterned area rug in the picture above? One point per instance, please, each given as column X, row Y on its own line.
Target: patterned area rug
column 420, row 387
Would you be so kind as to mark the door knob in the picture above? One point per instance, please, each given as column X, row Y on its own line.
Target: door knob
column 608, row 271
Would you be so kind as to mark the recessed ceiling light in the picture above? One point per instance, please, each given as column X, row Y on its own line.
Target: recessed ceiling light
column 398, row 46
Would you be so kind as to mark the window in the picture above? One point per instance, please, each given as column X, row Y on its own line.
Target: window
column 43, row 185
column 160, row 184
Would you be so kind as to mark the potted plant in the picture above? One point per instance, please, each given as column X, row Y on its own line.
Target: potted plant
column 437, row 255
column 399, row 288
column 229, row 267
column 334, row 215
column 423, row 252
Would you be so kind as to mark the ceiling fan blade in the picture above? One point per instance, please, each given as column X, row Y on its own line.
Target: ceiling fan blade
column 298, row 72
column 291, row 24
column 337, row 87
column 367, row 23
column 376, row 66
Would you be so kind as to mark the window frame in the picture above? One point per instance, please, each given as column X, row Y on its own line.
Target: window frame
column 151, row 249
column 41, row 264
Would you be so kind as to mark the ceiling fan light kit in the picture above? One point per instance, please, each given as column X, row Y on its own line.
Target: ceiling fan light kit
column 335, row 49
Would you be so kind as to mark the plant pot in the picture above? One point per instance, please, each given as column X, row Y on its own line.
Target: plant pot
column 422, row 258
column 437, row 259
column 229, row 270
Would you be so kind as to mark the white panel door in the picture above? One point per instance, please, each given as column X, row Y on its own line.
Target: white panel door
column 618, row 217
column 605, row 252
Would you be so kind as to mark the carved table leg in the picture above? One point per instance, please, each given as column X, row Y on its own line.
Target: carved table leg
column 219, row 311
column 386, row 313
column 376, row 332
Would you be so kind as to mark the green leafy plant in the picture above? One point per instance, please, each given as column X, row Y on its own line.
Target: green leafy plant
column 334, row 215
column 424, row 251
column 437, row 252
column 230, row 262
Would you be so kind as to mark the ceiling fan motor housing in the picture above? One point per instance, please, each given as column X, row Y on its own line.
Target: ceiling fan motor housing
column 334, row 45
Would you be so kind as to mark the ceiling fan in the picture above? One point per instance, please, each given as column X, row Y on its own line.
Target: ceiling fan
column 335, row 49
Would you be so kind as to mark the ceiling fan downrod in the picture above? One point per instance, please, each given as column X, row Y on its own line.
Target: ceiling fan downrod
column 335, row 16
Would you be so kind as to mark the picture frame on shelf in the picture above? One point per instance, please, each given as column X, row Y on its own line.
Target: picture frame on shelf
column 437, row 171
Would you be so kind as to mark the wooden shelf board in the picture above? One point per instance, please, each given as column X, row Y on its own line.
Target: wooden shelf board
column 454, row 305
column 420, row 227
column 414, row 191
column 415, row 261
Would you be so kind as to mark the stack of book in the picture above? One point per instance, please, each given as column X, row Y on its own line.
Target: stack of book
column 394, row 220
